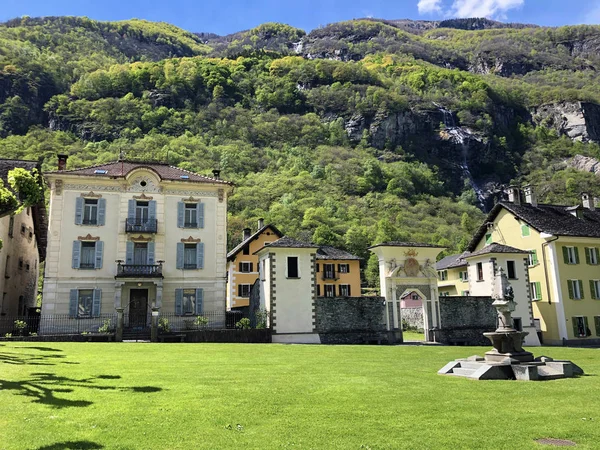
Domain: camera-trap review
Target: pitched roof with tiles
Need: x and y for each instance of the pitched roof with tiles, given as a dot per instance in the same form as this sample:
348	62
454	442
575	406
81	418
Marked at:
238	248
452	261
332	253
119	169
496	248
288	242
551	219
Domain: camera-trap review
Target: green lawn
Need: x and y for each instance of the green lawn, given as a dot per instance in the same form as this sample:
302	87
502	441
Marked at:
214	396
413	336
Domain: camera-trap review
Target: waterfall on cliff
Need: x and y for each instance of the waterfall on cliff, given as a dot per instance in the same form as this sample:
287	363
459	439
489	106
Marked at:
461	136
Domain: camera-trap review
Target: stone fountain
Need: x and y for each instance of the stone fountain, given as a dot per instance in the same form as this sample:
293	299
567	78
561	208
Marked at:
508	360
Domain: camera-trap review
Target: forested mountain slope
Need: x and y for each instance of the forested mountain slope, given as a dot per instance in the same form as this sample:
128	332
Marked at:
353	133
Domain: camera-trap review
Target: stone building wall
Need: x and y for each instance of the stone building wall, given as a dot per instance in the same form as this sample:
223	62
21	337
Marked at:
412	317
464	319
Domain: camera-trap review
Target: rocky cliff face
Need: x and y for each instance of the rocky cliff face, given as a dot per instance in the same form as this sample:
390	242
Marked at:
578	120
585	164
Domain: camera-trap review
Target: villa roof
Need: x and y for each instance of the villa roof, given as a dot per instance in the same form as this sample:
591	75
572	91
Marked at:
332	253
551	219
288	242
452	261
238	248
120	169
496	248
404	244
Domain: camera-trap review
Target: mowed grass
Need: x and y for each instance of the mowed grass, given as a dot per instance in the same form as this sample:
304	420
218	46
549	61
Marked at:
217	396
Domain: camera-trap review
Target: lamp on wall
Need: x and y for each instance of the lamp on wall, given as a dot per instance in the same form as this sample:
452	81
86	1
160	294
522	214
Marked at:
139	284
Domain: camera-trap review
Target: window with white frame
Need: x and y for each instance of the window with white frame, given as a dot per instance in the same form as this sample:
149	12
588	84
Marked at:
88	255
536	290
329	271
575	289
533	259
292	267
479	271
90	211
85	301
443	275
344	268
570	255
580	326
344	290
329	290
191	215
244	290
189	301
245	267
511	270
595	289
591	255
189	256
463	275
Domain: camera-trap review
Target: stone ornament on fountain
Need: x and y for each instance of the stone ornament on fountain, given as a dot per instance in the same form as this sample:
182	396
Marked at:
508	360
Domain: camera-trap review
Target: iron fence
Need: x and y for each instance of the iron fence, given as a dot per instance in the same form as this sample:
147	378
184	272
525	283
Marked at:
56	324
170	322
139	270
141	225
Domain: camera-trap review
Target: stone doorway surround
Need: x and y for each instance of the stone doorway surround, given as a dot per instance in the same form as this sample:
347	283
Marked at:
409	266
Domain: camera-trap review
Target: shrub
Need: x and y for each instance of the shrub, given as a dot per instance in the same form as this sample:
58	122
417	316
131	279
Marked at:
106	327
201	321
20	326
243	324
261	319
163	324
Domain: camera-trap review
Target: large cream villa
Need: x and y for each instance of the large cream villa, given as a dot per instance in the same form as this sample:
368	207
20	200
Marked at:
135	235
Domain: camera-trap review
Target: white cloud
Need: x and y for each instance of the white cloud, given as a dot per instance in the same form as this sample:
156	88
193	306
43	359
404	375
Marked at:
483	8
429	6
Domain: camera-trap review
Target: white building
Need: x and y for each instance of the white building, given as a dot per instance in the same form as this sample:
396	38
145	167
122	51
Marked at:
134	235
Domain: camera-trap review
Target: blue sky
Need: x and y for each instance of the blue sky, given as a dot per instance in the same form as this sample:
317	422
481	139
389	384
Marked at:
225	17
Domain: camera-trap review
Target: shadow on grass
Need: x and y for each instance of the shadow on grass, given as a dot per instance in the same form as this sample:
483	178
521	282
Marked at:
43	387
72	445
43	349
28	359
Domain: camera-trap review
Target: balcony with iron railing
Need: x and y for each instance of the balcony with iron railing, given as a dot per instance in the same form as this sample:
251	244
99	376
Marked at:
133	225
139	270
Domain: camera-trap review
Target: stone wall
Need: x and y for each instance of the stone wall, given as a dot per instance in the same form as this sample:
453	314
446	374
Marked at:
412	317
351	320
464	319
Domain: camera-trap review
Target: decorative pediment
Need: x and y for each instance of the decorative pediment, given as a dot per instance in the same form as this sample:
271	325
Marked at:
190	199
91	194
89	237
141	238
191	240
142	197
412	253
59	187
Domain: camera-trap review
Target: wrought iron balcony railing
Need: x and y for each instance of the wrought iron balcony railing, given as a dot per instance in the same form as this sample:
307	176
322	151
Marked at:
141	226
138	270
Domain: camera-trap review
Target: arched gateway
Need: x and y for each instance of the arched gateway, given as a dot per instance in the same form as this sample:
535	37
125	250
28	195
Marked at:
407	266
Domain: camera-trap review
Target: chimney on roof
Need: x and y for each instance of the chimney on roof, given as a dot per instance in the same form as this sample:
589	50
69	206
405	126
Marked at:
216	173
62	161
530	196
588	201
514	195
247	232
261	223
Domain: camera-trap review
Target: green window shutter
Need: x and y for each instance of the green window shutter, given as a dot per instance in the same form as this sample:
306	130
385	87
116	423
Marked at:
525	230
587	328
534	257
581	292
538	287
79	210
75	257
593	292
570	287
460	275
199	301
99	254
101	211
587	255
179	260
73	302
96	302
488	239
180	214
565	254
200	214
597	325
576	255
575	329
179	302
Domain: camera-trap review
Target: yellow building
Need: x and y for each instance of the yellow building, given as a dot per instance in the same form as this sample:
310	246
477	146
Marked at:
242	263
564	263
338	273
453	276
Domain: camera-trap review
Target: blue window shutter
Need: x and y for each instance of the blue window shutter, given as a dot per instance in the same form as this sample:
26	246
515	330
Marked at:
73	302
101	211
179	302
76	254
99	252
131	209
129	253
79	210
200	214
180	214
152	209
179	263
200	255
199	301
97	301
151	253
